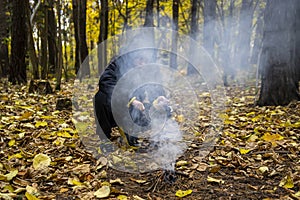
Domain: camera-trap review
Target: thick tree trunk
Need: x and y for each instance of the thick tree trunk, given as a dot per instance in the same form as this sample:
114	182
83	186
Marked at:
149	14
102	56
279	82
4	60
18	43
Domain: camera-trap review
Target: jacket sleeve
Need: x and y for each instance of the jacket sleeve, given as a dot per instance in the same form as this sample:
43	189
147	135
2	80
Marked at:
109	79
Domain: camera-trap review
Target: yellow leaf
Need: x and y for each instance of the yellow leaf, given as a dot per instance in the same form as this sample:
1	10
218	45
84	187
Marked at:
74	181
272	138
11	175
41	123
211	179
252	138
30	196
183	193
287	182
41	161
17	155
25	116
12	142
64	134
180	118
181	163
122	197
297	194
244	151
47	117
103	192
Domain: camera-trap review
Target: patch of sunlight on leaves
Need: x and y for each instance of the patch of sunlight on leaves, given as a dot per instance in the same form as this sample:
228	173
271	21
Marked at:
183	193
103	192
287	182
41	161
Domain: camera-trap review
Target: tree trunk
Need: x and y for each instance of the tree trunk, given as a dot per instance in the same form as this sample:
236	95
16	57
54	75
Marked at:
279	82
82	34
245	31
59	60
51	36
75	4
44	45
31	47
102	57
173	56
149	14
209	25
193	32
18	43
297	61
4	60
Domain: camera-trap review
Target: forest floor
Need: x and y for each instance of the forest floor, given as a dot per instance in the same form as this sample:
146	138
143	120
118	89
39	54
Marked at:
42	157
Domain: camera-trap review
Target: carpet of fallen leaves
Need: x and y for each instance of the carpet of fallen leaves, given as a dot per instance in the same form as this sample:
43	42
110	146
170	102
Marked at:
42	157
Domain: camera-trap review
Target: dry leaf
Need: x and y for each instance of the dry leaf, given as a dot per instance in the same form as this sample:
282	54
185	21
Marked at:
41	161
103	192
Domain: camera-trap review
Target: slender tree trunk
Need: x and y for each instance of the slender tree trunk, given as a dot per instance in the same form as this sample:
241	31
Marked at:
18	43
245	31
258	38
59	63
149	14
75	4
209	25
279	82
157	13
173	57
31	45
44	44
65	42
82	33
193	32
52	36
102	56
4	60
297	60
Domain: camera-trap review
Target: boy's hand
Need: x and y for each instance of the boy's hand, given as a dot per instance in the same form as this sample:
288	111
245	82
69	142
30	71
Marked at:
138	105
160	102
